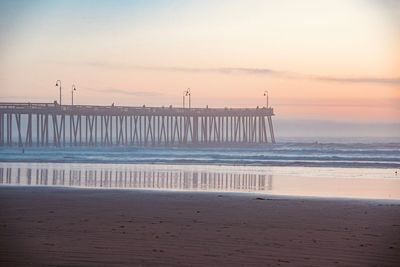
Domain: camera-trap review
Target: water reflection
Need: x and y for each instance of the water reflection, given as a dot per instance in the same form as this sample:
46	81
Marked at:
299	181
136	176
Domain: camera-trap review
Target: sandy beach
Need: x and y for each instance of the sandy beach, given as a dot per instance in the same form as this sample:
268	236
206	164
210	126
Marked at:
89	227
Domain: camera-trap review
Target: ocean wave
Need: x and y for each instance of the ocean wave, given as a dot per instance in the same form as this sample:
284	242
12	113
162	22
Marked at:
287	154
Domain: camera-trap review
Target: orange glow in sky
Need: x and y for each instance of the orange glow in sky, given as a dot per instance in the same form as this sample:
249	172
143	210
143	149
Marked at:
317	59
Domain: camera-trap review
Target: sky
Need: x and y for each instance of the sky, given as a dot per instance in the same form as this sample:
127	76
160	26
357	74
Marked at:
332	65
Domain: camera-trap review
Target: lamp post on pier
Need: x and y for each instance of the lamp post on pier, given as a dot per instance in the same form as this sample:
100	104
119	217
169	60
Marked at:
72	92
189	94
185	94
266	95
183	99
58	83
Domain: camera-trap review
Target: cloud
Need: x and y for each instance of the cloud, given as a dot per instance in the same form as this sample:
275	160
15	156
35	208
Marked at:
367	80
222	70
339	102
110	65
125	92
250	71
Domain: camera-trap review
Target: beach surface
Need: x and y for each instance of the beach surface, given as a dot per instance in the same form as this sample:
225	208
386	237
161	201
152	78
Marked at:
57	226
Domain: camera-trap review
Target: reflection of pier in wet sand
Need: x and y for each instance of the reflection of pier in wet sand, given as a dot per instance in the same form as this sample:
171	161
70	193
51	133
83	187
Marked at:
138	177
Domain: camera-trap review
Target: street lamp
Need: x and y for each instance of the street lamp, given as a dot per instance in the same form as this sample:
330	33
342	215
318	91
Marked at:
72	92
189	94
185	94
266	94
58	83
183	98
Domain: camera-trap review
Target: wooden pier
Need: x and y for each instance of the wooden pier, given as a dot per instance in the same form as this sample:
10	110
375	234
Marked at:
50	124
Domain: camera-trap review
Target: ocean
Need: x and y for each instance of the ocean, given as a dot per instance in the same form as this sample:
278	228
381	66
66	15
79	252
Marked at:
359	155
316	169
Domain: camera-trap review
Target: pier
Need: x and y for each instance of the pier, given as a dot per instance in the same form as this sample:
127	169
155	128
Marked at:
51	124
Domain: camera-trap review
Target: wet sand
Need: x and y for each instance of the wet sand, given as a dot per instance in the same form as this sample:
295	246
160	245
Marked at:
88	227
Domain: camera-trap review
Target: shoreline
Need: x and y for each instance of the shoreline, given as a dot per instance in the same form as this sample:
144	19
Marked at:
264	196
287	181
349	165
64	226
183	164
